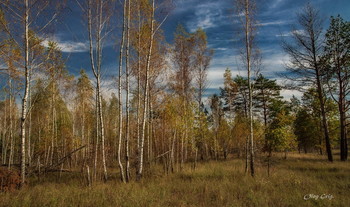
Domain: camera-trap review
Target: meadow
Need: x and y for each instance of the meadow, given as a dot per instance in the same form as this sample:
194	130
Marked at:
300	180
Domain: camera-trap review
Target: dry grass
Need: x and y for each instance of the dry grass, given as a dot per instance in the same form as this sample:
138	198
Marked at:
212	184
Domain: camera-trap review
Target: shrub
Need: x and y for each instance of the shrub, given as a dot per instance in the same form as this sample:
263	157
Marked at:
9	180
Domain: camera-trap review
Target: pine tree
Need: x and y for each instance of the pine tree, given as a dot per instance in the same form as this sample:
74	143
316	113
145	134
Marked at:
337	69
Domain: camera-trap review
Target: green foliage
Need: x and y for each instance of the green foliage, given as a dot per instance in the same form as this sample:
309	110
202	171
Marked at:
266	96
229	92
312	105
337	46
241	100
235	93
294	105
337	69
280	135
307	129
308	121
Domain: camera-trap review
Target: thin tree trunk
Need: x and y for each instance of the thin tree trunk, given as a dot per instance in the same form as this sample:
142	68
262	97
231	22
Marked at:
323	113
149	127
182	151
30	123
96	69
248	54
144	116
265	119
120	129
320	138
98	79
343	144
139	80
172	158
97	138
127	133
101	122
84	152
91	50
216	145
321	97
4	141
342	118
11	127
25	97
52	121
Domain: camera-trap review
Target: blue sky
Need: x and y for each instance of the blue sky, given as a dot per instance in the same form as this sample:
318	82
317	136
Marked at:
275	17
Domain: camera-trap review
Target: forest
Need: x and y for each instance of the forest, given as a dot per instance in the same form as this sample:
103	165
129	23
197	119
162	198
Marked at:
152	134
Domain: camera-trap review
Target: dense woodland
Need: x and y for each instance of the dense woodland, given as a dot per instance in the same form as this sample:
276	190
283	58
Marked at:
160	117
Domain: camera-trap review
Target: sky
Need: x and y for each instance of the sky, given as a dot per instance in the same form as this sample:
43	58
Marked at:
217	18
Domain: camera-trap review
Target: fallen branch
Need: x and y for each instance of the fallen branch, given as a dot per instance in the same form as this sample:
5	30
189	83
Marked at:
161	155
59	170
52	168
62	160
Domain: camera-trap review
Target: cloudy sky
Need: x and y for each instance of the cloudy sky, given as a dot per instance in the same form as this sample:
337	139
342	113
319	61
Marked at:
216	17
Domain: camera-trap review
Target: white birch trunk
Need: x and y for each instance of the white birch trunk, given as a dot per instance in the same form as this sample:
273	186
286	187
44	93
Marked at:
120	132
98	79
97	73
26	90
11	127
144	116
248	55
127	133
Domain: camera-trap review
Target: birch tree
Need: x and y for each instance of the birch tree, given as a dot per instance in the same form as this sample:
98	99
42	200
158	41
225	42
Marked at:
247	11
98	18
127	73
145	95
25	15
120	128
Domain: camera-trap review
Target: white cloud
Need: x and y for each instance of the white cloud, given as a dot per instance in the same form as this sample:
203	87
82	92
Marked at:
225	61
182	5
221	49
276	3
300	32
241	14
271	23
275	62
208	15
284	34
288	94
216	76
68	46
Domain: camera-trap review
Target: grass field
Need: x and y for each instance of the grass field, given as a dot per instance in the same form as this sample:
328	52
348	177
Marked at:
301	180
